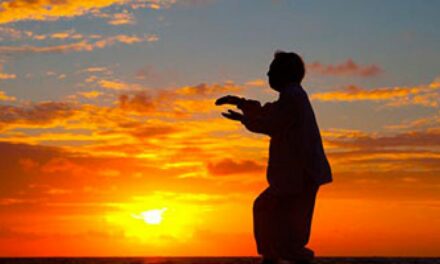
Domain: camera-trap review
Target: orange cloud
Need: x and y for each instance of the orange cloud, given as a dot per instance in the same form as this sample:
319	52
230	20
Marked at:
229	166
14	34
5	76
354	93
192	106
140	102
86	94
425	138
177	102
60	165
83	45
38	114
28	164
149	131
17	10
423	122
153	4
5	97
11	33
346	68
60	35
114	85
408	153
426	95
90	94
78	46
33	169
256	83
207	90
126	39
95	69
122	19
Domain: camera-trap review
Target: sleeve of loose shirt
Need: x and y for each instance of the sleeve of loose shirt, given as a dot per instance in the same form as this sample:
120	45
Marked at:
272	117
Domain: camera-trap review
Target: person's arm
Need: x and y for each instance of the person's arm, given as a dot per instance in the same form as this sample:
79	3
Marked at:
267	119
252	111
255	116
270	118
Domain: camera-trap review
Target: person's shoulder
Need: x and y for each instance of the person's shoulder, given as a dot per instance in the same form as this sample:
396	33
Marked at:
295	93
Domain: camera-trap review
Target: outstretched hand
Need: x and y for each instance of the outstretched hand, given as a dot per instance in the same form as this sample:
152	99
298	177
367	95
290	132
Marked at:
232	100
228	99
231	114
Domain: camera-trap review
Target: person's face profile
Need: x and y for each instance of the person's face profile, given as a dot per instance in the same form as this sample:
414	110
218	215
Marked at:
274	77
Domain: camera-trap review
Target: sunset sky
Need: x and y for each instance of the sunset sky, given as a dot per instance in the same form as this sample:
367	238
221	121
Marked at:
111	145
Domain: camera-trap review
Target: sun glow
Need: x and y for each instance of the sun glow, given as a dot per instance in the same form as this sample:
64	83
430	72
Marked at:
152	217
160	219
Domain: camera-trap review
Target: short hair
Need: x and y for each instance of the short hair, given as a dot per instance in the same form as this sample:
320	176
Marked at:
289	65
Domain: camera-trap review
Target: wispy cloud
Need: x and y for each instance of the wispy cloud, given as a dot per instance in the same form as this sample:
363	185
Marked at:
90	94
418	138
425	95
10	33
256	83
355	93
17	10
140	102
95	69
5	76
35	114
347	68
419	123
413	153
70	34
82	45
5	97
122	19
231	167
117	85
208	90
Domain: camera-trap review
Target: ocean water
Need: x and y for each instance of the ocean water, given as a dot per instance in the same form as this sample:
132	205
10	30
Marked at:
210	260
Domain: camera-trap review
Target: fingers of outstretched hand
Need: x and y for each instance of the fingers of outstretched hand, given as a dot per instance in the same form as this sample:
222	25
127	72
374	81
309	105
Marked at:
228	99
233	115
232	112
223	100
229	116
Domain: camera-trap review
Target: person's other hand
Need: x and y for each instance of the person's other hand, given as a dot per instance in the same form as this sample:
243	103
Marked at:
236	116
228	99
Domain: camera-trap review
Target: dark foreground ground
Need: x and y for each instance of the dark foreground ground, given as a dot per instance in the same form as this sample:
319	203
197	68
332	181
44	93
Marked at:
225	260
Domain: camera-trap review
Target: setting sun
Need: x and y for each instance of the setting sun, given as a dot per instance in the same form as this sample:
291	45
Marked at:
152	217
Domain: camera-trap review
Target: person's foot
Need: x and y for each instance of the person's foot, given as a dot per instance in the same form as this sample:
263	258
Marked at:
298	261
303	261
268	261
301	256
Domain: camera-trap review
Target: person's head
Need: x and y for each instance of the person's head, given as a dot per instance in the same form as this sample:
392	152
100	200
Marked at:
286	68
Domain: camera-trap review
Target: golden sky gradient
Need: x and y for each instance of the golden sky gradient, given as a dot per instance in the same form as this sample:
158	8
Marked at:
111	144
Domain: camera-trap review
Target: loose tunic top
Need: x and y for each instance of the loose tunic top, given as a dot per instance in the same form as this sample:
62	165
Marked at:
296	152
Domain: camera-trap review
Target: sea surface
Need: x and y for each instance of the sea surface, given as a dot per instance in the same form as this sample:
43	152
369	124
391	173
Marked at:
211	260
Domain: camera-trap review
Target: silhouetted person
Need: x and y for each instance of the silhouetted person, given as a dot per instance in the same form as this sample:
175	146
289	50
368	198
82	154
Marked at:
297	163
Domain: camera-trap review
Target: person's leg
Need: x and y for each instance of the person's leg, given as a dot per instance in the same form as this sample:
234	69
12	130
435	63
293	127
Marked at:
310	199
282	225
264	231
296	214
